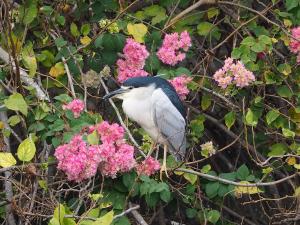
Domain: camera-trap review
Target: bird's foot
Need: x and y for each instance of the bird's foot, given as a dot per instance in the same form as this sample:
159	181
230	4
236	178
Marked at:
163	168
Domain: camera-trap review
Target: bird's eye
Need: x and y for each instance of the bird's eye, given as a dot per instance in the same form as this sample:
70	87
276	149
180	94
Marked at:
130	87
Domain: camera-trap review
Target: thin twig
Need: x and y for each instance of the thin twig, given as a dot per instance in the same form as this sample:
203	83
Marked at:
225	181
137	216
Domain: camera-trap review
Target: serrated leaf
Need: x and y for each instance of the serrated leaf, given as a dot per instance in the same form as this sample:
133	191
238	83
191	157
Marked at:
85	29
240	190
278	149
192	178
229	119
251	119
211	189
285	69
242	172
213	216
138	31
14	120
57	70
272	116
16	102
74	30
28	11
288	133
28	59
7	159
212	12
284	91
104	220
205	102
86	40
26	150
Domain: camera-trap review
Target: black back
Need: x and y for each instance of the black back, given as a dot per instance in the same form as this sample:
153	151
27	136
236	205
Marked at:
159	82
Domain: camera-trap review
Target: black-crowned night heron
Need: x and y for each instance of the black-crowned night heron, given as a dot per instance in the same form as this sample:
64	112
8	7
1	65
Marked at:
153	103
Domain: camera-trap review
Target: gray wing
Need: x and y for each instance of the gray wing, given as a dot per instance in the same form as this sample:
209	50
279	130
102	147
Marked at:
170	123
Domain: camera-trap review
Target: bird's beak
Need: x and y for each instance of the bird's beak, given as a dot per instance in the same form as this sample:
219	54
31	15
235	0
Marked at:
114	93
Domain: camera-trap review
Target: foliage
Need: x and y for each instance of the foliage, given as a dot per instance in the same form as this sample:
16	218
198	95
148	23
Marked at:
235	64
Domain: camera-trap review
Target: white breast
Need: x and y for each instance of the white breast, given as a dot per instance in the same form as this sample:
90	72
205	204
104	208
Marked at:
138	107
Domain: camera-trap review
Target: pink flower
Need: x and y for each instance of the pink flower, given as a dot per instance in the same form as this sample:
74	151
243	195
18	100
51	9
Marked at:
127	70
132	65
109	133
170	53
76	106
295	42
180	85
78	160
148	166
233	73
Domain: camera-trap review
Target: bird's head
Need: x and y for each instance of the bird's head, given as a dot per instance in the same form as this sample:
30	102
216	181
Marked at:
137	87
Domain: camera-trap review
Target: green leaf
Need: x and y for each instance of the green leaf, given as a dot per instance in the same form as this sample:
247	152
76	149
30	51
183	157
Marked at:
29	60
211	189
212	12
272	116
285	69
16	102
74	30
229	119
284	91
265	39
205	102
206	168
290	4
7	159
60	42
14	120
192	178
85	29
242	172
28	11
93	138
157	13
213	216
105	220
288	133
258	47
165	195
249	41
206	28
278	149
191	213
61	20
251	118
26	150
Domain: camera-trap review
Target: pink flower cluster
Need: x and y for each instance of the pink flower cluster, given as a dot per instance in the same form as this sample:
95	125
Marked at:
133	63
116	154
180	85
148	166
76	106
78	160
170	52
233	73
295	44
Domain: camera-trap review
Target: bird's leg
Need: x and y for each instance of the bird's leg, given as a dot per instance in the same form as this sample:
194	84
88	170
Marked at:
164	165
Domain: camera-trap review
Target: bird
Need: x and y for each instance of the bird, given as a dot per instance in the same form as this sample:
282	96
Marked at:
153	103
